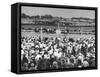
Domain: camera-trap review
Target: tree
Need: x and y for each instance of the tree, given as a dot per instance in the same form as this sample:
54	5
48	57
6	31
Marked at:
23	15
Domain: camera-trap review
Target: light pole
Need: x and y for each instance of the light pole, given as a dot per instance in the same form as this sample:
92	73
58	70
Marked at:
41	33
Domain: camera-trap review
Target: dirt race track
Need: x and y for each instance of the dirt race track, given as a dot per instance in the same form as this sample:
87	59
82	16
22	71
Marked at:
75	36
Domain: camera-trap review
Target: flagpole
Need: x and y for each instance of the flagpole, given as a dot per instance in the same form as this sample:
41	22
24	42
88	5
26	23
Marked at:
41	30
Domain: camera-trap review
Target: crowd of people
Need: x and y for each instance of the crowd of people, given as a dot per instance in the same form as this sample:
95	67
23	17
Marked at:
55	53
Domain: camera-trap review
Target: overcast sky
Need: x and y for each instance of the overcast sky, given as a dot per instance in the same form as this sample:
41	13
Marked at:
66	13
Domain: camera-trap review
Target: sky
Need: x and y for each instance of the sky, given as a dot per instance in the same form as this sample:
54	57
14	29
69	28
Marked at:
66	13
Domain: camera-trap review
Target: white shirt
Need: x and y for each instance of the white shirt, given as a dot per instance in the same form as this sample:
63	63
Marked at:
38	56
